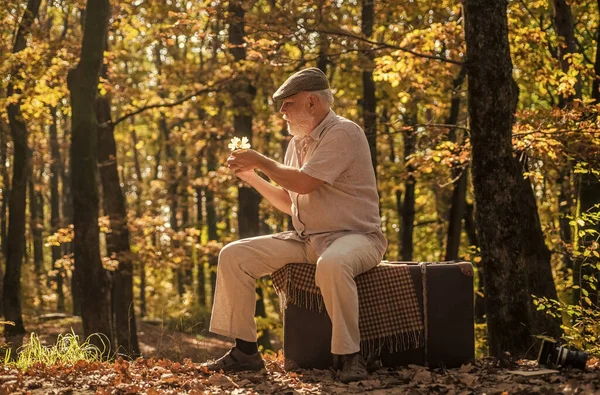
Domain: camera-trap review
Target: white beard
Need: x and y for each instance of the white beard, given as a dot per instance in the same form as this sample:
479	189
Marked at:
300	126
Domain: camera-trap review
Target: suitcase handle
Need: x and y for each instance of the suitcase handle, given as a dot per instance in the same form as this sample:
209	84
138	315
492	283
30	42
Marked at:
466	268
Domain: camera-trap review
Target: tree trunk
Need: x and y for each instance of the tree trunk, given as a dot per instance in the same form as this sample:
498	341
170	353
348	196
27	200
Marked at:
322	60
117	241
4	203
265	339
563	24
565	205
15	239
201	273
211	216
515	259
407	223
474	242
173	197
5	193
242	93
67	212
369	101
83	85
138	171
55	222
138	208
596	83
185	271
398	194
36	225
589	197
461	175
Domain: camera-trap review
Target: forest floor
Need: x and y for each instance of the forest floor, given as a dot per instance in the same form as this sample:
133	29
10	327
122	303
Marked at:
171	366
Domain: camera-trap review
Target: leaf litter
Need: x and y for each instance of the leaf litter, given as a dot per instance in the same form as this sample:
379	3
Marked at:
163	376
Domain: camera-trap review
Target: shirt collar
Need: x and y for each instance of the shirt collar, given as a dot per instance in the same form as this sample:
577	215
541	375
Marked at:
325	123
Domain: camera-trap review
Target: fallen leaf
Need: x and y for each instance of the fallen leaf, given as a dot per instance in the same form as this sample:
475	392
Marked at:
169	378
422	376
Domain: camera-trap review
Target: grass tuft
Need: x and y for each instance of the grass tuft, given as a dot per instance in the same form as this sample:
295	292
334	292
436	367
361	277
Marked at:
67	350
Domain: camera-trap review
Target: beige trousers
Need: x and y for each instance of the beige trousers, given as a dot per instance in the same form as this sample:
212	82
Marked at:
243	261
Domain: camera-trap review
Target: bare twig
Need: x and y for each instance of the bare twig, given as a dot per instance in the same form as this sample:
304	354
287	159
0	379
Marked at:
537	131
214	88
452	181
428	125
384	45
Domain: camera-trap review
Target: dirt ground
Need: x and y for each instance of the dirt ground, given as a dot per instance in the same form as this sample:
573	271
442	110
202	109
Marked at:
171	365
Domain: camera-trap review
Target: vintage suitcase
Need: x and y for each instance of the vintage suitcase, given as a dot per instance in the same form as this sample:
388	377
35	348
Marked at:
445	299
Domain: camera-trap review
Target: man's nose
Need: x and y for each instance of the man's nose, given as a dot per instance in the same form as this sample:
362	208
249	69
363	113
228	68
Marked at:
282	108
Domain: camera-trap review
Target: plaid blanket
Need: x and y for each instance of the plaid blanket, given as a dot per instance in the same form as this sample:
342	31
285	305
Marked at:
389	314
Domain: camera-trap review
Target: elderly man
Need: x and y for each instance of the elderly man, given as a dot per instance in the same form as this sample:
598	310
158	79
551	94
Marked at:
327	184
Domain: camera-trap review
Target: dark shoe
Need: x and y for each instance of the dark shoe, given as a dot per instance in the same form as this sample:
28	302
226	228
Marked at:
354	368
236	361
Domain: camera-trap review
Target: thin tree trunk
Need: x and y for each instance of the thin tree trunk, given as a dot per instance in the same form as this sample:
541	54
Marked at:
565	206
173	197
563	23
5	192
67	214
474	242
211	216
264	339
242	93
408	206
369	101
201	273
398	194
117	241
138	208
185	271
138	171
508	226
83	84
459	194
36	225
15	238
55	221
4	203
589	197
596	83
322	60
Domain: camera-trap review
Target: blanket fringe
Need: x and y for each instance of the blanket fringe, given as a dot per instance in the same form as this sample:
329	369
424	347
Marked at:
394	343
302	298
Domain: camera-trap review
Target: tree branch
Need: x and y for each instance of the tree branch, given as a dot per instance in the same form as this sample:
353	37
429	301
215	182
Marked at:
427	125
214	88
384	45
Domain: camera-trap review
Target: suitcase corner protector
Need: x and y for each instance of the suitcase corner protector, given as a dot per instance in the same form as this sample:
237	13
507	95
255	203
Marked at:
466	268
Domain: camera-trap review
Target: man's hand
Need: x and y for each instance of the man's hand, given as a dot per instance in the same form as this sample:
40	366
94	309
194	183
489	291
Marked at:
243	163
246	159
245	175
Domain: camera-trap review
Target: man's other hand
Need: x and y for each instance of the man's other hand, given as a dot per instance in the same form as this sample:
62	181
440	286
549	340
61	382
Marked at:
243	162
246	159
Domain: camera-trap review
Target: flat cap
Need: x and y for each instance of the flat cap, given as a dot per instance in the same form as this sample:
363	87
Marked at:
311	79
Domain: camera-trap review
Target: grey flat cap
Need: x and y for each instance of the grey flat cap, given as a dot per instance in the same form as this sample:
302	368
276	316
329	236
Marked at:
311	79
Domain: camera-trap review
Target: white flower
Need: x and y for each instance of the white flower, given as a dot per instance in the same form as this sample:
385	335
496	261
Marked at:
236	143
